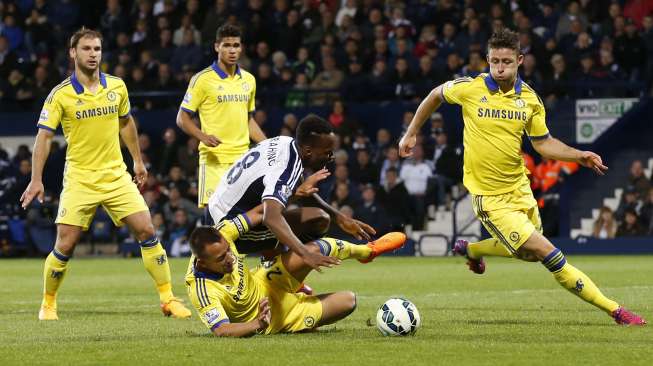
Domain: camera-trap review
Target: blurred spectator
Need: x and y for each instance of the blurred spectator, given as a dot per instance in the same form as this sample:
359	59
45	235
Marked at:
573	13
394	197
342	196
329	78
638	180
187	54
391	161
370	211
448	161
415	173
628	202
177	202
631	225
646	212
605	225
168	151
178	234
364	171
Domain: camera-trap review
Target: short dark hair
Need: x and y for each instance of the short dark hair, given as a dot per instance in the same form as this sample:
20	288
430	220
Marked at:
310	127
82	33
227	30
504	38
202	236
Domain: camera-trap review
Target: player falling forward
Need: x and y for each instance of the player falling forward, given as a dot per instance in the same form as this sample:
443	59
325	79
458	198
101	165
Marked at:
223	95
235	301
497	108
270	173
93	110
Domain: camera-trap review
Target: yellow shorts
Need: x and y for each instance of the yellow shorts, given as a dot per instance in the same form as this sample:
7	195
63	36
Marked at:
84	190
211	170
511	217
291	312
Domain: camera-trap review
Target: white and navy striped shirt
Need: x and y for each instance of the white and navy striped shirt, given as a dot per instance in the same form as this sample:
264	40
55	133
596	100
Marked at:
270	170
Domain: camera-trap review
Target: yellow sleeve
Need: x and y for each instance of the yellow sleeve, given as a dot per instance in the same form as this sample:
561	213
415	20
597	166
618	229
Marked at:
208	304
252	97
232	229
51	114
536	127
194	95
125	107
453	91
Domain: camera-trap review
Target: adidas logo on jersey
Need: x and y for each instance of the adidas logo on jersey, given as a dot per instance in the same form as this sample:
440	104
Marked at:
483	100
79	102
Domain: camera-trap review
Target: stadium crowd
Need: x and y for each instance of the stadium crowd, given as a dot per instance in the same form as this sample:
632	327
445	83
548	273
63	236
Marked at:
306	53
361	50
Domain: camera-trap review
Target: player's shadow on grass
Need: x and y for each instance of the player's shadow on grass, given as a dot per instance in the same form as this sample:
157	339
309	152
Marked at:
316	332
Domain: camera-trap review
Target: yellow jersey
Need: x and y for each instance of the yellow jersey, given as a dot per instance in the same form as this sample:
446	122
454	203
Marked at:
231	297
494	125
90	121
223	103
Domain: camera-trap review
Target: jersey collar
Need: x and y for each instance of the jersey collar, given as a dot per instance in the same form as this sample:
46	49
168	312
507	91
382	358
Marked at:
210	276
221	73
494	86
79	88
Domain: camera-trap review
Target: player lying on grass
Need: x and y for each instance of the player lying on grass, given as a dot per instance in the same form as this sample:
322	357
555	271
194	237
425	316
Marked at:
234	301
498	108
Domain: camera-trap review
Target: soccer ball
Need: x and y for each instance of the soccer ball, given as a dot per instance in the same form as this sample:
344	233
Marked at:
398	317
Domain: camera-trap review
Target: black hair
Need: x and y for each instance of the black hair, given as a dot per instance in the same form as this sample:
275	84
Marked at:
202	236
310	127
227	30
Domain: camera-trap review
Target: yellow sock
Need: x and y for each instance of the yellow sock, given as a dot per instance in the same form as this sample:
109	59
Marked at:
488	247
54	272
577	282
155	261
342	249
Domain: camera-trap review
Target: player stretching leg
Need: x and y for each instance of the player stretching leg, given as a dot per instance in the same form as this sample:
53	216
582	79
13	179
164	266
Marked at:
233	301
497	108
93	110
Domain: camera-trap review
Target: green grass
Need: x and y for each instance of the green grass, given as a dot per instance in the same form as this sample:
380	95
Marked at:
515	314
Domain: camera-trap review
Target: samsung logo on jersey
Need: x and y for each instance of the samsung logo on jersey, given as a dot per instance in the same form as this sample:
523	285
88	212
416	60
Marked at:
96	112
233	98
501	114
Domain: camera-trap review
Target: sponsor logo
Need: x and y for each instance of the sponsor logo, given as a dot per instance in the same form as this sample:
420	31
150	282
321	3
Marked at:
79	102
483	99
212	315
245	87
111	96
187	97
520	103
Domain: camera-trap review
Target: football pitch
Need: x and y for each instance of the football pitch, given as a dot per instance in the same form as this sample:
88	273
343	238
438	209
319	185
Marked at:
514	314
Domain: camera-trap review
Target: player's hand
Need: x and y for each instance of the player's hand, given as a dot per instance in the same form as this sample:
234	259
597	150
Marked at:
406	145
355	228
140	174
593	161
264	314
210	140
317	260
34	189
308	187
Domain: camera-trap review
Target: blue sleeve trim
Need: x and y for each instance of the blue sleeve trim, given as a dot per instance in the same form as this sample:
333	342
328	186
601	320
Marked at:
218	324
249	223
442	94
126	115
193	113
46	127
543	137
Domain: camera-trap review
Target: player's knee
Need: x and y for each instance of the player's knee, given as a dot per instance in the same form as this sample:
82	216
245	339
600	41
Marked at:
66	240
145	232
320	221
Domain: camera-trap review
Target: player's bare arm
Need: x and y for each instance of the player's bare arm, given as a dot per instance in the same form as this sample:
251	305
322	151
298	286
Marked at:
249	328
256	134
425	109
555	149
187	123
39	156
273	218
129	135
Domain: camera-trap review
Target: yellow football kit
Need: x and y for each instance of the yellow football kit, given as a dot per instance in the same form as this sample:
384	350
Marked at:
95	173
234	297
223	103
494	170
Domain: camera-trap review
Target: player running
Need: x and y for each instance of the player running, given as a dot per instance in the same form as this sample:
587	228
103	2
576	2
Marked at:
93	110
234	301
497	108
223	95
